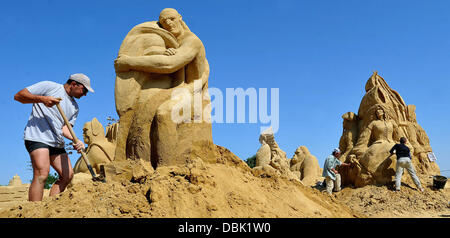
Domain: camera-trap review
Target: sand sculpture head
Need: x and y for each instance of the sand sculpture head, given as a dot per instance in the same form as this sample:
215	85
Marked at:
171	20
349	118
298	157
299	151
378	112
300	154
93	130
304	150
267	137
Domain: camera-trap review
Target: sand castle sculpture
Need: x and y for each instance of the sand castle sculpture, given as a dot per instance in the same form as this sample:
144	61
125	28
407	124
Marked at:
383	117
271	160
162	73
15	191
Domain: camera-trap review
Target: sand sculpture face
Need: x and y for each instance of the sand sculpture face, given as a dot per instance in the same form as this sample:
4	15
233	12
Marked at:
170	20
300	154
86	135
380	114
92	130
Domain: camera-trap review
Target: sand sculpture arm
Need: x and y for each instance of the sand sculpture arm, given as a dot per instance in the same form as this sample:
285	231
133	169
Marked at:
163	64
397	131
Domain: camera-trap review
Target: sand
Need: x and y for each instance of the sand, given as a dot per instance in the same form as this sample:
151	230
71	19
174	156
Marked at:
228	189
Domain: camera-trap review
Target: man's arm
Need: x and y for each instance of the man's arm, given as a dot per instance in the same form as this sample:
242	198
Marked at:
163	64
78	145
66	132
24	96
392	149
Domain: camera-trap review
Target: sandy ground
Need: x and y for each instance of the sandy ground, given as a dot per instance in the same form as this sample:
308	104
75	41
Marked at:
225	189
385	202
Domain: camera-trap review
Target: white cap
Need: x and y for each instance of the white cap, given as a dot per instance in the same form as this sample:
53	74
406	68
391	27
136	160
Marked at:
337	150
83	79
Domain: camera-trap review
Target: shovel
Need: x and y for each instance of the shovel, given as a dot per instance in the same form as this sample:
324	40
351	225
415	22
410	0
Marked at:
101	176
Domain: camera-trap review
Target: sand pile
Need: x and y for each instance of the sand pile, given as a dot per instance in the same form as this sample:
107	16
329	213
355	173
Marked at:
226	188
384	201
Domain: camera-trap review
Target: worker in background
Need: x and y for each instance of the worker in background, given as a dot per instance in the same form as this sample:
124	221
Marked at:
332	176
404	162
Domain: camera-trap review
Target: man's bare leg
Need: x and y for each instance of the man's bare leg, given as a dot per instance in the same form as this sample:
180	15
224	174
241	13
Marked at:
61	164
40	160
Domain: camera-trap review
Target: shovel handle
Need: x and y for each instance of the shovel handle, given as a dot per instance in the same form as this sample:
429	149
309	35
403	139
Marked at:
83	154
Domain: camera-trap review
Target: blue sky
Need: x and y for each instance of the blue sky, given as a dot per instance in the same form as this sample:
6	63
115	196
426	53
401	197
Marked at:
319	54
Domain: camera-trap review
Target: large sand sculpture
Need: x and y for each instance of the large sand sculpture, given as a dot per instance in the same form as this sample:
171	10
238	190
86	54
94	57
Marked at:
162	71
383	117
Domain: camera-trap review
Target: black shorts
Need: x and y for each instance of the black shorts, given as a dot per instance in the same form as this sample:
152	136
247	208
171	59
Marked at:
32	145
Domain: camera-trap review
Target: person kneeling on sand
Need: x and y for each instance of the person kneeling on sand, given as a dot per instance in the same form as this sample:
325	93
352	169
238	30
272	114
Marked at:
404	162
332	176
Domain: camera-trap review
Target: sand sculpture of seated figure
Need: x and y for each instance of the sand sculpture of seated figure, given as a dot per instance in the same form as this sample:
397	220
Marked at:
270	159
383	117
373	145
305	166
99	151
349	134
164	75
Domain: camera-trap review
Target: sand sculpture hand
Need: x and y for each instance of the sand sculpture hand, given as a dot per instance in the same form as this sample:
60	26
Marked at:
121	63
170	52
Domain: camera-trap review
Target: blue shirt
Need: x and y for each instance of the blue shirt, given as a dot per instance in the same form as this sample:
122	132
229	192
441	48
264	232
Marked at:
45	123
330	163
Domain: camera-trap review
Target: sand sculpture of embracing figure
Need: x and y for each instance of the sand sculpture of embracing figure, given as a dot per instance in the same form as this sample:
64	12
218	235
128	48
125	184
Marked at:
159	65
161	95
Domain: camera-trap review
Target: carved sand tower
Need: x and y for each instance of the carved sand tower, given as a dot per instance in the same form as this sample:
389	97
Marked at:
383	117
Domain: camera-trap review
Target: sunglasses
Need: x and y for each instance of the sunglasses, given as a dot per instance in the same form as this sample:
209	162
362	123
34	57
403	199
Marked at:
85	90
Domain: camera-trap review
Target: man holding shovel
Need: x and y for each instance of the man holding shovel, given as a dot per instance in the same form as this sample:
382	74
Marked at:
332	176
45	130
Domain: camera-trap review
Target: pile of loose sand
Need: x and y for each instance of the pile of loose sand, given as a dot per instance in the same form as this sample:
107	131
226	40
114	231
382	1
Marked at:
223	189
227	188
384	201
